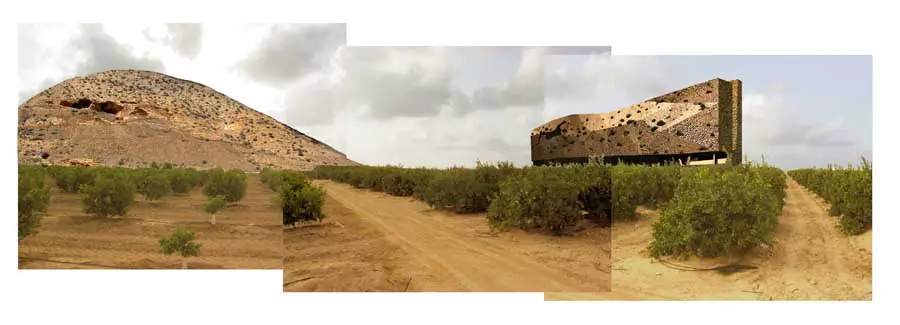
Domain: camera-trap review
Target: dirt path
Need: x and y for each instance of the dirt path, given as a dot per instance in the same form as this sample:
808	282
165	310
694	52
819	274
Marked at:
438	251
811	261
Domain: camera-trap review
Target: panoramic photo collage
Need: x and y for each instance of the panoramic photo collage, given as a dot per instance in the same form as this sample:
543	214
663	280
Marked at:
570	171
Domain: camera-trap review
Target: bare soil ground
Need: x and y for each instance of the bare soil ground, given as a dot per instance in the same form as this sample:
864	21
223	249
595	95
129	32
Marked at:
810	261
247	235
371	241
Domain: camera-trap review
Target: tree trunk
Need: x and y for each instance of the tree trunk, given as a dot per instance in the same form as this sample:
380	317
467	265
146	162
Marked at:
184	263
212	219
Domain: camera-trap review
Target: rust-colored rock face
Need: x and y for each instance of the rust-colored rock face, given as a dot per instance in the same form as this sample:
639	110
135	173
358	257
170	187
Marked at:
134	118
701	121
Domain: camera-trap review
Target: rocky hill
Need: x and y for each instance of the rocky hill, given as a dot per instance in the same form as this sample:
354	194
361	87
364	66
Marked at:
135	118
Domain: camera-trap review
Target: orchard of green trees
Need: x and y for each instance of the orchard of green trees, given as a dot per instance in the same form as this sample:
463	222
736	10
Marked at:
110	191
705	211
847	189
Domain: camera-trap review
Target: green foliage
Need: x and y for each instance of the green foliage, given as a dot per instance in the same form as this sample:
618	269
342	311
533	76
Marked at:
156	186
716	211
181	242
403	182
392	180
300	200
575	191
70	179
198	178
634	185
180	180
551	198
848	190
271	178
232	184
455	189
369	177
215	204
594	183
111	194
34	198
538	198
465	190
140	177
629	184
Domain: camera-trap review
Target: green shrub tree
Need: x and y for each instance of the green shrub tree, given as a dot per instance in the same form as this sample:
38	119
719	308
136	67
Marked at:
180	180
716	212
300	200
156	186
34	198
231	184
110	195
847	190
181	242
213	205
537	198
70	179
271	177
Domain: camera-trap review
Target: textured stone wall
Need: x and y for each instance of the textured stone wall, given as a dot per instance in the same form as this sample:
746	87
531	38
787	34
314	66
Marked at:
703	118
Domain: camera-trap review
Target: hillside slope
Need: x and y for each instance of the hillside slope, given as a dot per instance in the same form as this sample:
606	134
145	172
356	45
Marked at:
134	118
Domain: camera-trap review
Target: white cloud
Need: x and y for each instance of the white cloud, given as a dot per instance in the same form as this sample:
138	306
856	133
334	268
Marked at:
433	106
291	51
429	106
186	39
99	51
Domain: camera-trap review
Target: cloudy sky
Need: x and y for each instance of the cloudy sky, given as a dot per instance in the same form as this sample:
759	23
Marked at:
798	110
416	106
442	106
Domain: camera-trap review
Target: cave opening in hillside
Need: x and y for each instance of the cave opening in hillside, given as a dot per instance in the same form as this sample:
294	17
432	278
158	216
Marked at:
141	112
110	107
79	104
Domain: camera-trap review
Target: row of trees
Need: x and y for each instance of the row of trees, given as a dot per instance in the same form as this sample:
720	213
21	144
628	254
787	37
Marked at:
847	189
109	192
551	198
34	198
705	211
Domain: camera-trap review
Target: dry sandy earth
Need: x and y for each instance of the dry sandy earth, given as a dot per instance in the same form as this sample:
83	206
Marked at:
247	235
371	241
811	261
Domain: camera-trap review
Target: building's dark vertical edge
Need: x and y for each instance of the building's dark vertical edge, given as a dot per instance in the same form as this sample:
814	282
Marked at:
723	90
737	121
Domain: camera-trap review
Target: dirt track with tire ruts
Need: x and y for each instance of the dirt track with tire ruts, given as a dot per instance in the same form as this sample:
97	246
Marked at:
371	241
810	261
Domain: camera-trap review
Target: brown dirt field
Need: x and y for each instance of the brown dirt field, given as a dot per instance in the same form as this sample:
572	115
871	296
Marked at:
810	261
247	235
371	241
